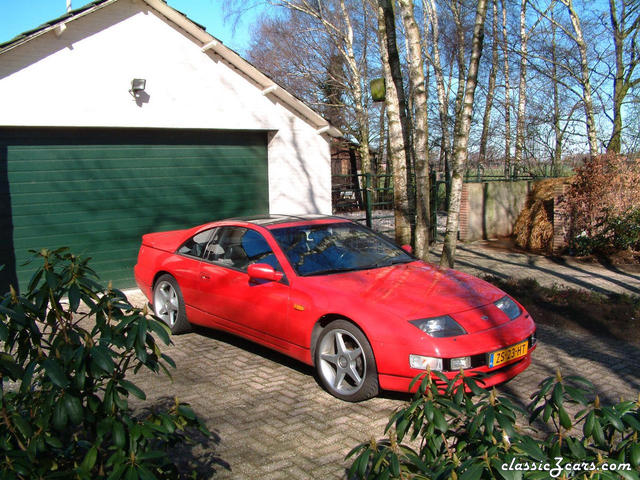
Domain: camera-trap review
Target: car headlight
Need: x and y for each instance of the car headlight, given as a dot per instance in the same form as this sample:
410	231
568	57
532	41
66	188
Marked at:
443	326
509	307
420	362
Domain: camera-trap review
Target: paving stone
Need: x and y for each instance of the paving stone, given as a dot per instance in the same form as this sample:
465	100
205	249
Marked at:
274	420
299	431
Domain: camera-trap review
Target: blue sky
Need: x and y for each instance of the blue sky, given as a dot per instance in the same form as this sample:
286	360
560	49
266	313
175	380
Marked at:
17	16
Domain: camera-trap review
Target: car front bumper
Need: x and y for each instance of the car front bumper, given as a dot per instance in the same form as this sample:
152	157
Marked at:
488	377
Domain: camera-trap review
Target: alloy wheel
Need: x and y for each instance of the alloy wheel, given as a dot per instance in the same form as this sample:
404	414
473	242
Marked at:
342	362
166	303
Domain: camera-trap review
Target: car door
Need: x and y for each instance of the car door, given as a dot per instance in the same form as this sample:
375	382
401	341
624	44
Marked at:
185	266
256	309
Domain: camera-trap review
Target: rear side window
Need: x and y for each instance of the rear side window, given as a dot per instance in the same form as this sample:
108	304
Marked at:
239	247
196	245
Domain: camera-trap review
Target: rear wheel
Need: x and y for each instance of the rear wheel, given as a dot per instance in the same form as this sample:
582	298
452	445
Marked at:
168	304
345	363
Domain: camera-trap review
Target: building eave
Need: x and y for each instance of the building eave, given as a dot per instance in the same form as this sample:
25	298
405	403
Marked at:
209	44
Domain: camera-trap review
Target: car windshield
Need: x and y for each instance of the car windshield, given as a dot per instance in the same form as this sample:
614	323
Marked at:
336	247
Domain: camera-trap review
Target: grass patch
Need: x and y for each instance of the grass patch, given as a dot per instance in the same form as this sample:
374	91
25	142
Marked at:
614	315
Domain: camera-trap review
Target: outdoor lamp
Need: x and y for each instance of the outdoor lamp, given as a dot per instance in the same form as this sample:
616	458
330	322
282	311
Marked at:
137	85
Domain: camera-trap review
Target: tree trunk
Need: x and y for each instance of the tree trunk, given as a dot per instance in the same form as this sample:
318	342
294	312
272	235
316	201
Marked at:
461	140
584	78
362	117
486	119
460	60
382	141
615	142
443	103
622	81
522	86
421	130
507	92
397	145
557	152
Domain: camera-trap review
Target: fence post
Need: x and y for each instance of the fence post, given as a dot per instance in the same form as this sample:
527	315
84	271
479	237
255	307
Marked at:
367	198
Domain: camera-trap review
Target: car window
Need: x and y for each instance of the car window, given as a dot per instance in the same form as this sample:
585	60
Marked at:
239	247
196	245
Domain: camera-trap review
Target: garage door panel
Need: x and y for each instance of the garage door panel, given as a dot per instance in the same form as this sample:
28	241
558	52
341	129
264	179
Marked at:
214	158
113	198
99	197
191	170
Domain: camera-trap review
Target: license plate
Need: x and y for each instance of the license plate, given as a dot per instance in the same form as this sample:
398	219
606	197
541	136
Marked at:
507	354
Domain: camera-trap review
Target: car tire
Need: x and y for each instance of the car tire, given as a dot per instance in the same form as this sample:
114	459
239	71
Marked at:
168	304
345	363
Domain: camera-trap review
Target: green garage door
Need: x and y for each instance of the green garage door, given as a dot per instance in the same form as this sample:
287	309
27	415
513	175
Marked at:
98	190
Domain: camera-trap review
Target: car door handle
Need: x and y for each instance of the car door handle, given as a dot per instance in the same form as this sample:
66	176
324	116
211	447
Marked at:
204	276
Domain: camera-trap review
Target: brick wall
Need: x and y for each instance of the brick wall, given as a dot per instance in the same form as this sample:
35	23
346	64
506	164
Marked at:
561	219
463	226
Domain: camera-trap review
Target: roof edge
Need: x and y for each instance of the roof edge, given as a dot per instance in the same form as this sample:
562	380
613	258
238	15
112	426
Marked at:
233	58
197	31
53	24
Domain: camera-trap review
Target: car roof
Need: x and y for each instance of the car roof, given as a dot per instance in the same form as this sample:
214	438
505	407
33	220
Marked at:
268	221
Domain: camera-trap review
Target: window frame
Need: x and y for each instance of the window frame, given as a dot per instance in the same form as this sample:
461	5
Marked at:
247	229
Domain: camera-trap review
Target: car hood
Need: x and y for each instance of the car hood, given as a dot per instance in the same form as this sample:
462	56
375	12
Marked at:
420	290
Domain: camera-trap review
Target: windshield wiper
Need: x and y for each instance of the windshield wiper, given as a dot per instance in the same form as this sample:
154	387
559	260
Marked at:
333	270
388	261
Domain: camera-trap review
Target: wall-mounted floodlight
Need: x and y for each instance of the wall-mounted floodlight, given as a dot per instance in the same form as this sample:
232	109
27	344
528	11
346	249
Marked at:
137	86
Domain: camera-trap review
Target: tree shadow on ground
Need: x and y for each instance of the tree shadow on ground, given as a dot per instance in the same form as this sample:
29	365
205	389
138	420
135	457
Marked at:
564	278
196	458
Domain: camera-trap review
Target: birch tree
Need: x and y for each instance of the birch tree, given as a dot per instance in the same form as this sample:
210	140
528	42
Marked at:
585	76
488	105
461	138
625	25
431	19
333	20
522	85
397	127
507	91
525	35
421	132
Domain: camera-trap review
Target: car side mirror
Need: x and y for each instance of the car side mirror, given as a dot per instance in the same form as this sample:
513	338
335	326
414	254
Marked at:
262	271
407	248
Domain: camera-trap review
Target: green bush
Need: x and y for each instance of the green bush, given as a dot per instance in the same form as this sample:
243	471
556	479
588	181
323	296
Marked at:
479	434
614	233
68	344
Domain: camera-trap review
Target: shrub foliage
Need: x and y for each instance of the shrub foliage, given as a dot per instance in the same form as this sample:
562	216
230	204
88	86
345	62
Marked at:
68	344
466	433
603	202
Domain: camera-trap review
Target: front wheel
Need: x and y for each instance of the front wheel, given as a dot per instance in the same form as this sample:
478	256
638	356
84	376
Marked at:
345	363
168	304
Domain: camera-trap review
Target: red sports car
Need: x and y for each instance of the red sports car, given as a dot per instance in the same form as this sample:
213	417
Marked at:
334	294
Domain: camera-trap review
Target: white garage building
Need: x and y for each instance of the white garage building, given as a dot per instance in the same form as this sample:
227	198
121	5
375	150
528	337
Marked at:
125	117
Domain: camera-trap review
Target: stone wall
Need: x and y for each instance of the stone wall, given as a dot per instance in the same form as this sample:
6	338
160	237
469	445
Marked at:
490	209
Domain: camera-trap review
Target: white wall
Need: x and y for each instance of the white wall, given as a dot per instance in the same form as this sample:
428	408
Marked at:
82	78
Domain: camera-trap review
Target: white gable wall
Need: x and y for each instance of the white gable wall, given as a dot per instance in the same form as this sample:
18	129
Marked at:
82	78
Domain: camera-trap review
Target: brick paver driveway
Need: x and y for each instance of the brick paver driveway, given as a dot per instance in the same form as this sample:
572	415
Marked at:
273	420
